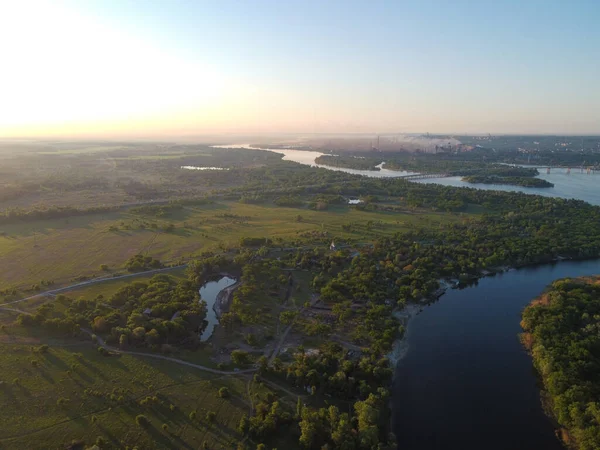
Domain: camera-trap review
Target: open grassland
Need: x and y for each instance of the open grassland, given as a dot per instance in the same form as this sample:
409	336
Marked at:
73	393
63	249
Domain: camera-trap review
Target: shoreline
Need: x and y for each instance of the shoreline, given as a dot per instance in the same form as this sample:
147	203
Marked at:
224	297
400	346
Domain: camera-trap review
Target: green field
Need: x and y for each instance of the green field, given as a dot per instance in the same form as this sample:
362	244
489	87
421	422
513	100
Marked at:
61	250
73	393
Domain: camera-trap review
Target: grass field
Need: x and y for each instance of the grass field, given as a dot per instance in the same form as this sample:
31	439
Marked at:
60	250
75	394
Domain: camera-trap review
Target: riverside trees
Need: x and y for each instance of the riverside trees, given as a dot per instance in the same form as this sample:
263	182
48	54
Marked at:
562	331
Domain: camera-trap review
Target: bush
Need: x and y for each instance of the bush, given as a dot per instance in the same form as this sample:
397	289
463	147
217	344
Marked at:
141	420
224	392
43	348
165	427
100	441
192	415
211	416
104	267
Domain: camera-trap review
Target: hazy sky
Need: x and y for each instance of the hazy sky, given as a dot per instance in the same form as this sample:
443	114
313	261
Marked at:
190	67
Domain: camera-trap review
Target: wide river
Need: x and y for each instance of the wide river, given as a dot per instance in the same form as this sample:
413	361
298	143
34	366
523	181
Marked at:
465	382
574	185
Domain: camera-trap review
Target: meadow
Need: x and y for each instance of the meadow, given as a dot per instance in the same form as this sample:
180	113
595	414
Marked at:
68	395
65	250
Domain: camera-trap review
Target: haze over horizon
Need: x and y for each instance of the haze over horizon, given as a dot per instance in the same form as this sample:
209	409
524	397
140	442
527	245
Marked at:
161	69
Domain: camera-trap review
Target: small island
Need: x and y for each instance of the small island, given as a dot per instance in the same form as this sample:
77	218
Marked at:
562	333
513	181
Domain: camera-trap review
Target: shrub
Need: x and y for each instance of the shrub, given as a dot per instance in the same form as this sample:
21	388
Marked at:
211	416
192	415
224	392
165	427
141	420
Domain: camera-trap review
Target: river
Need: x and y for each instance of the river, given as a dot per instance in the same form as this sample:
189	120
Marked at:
574	185
465	382
566	185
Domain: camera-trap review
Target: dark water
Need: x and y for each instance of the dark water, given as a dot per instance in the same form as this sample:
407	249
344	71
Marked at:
466	383
209	293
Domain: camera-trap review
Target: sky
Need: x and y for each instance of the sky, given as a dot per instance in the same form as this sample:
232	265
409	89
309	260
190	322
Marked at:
182	68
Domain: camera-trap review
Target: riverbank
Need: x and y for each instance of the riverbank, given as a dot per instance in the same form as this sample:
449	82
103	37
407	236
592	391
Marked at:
567	312
400	346
224	297
465	360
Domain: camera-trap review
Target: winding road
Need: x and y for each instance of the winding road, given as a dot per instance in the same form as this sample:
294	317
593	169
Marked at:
103	344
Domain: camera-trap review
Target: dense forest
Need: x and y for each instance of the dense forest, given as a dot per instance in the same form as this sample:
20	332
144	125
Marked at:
160	315
562	331
514	181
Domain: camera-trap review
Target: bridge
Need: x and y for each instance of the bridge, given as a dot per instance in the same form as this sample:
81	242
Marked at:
589	169
420	176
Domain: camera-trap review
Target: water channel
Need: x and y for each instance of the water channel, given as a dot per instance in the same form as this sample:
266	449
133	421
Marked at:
209	293
566	185
465	382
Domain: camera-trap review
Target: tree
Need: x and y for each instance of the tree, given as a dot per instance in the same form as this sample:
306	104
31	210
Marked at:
299	407
211	416
224	392
240	357
244	424
141	420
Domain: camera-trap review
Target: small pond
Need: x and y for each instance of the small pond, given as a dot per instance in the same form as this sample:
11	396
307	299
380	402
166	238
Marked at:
209	293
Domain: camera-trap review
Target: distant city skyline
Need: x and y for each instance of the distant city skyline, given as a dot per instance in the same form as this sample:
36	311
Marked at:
127	68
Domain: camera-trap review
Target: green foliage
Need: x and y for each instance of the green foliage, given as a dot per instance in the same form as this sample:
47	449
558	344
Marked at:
240	357
514	181
141	420
141	314
289	201
563	334
224	392
139	263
